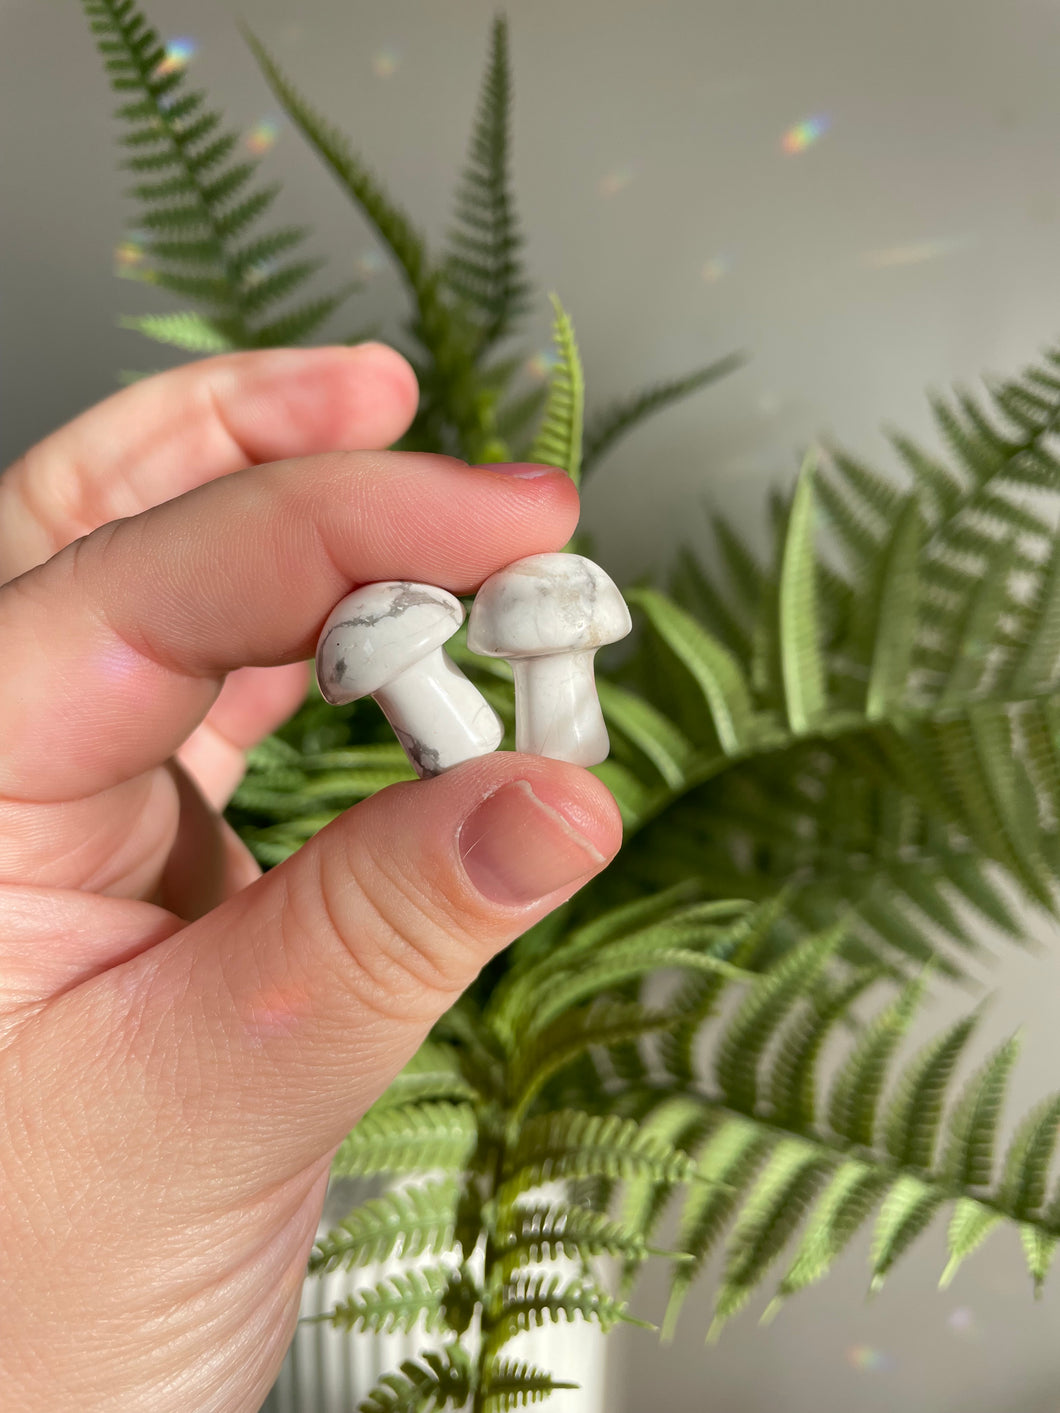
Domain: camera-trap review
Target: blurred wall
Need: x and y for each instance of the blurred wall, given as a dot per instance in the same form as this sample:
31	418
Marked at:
912	244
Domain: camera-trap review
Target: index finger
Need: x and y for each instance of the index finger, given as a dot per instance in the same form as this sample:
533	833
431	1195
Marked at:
166	434
115	648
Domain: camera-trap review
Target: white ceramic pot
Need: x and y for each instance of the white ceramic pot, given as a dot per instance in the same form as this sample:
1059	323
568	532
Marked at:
330	1371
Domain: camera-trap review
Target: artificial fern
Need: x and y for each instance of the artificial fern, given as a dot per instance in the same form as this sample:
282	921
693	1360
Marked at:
829	759
198	206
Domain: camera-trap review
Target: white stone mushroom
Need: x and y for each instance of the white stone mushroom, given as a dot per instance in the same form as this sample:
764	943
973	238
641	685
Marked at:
548	614
385	641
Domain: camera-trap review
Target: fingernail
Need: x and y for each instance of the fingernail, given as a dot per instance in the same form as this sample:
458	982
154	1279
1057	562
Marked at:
526	470
516	849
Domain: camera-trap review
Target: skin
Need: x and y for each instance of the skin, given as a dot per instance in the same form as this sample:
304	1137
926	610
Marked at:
183	1042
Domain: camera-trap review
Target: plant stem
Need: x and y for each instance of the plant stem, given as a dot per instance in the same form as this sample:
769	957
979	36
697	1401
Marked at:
489	1271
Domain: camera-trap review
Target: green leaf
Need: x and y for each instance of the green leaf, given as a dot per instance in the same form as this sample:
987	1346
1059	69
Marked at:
189	196
188	330
857	1088
618	419
1037	662
973	1125
913	1119
559	438
413	1138
907	1209
715	670
437	326
762	1011
649	730
801	655
727	1163
534	1299
793	1074
970	1225
842	1209
769	1217
407	1221
396	1303
569	1144
1039	1250
538	1232
431	1381
978	629
896	616
483	266
515	1384
1028	1158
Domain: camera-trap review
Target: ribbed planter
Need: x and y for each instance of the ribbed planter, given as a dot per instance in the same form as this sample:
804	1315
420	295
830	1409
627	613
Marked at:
330	1371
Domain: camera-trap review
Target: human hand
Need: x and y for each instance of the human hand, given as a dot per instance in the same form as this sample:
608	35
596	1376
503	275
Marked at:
183	1042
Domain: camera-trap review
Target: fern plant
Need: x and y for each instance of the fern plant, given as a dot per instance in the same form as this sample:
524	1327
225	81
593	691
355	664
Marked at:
832	760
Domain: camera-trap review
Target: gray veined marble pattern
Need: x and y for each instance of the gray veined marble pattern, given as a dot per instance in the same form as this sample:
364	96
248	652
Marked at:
548	615
386	641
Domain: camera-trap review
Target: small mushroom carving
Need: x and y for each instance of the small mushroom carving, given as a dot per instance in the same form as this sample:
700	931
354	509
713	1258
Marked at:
548	615
385	641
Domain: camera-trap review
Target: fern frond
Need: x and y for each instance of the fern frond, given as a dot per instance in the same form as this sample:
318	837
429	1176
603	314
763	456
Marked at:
769	1000
448	383
516	1384
396	1303
569	1144
483	266
559	438
406	1223
533	1299
408	1139
537	1233
802	658
714	669
193	332
431	1381
196	202
772	1211
616	421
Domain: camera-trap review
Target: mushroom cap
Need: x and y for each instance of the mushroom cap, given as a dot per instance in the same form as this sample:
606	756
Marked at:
379	631
547	603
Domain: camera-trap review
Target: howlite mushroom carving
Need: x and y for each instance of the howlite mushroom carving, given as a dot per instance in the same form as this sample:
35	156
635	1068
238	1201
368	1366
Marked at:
385	641
548	615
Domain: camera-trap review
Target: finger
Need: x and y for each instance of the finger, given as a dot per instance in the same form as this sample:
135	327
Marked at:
254	701
166	434
250	1042
52	939
208	861
143	618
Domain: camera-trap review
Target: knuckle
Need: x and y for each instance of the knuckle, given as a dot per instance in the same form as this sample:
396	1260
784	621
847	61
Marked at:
402	950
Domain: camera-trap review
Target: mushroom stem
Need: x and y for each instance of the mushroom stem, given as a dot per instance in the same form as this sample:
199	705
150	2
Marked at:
557	711
438	715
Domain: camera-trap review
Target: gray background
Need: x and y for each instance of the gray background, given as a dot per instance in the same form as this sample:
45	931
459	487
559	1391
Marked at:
915	244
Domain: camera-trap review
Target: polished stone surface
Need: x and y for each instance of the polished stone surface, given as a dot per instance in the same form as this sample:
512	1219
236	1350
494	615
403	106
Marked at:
548	615
385	641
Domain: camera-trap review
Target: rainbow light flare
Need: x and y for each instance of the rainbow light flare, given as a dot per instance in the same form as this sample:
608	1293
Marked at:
178	54
261	136
867	1359
614	182
541	364
716	268
385	61
369	262
914	253
805	134
131	251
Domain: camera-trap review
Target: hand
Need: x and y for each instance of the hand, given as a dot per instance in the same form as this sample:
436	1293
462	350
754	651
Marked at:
183	1042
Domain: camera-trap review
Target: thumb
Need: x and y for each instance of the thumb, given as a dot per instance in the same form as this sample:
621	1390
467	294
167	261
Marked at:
278	1018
